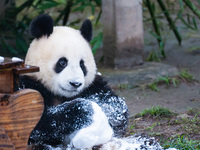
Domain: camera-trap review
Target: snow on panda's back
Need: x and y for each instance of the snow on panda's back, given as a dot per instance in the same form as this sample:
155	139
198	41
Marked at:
65	59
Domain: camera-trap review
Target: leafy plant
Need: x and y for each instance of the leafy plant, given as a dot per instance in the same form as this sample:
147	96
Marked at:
97	42
163	80
153	86
127	86
14	36
182	143
190	22
151	127
156	111
193	111
154	56
186	76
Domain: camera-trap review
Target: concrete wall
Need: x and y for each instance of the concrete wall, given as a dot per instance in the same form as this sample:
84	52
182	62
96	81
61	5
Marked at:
123	33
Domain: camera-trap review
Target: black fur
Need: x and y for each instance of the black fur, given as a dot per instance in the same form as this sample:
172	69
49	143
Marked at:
53	127
41	26
86	30
82	65
98	91
61	64
99	85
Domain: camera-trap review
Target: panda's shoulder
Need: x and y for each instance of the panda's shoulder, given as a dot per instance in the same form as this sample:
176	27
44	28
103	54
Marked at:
30	82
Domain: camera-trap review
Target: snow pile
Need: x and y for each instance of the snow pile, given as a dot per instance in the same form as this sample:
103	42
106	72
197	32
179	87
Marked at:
16	59
128	143
133	143
1	59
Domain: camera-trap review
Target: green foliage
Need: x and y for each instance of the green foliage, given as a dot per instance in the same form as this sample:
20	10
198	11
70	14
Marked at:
151	8
154	56
193	111
14	37
156	111
186	76
153	86
126	86
151	127
156	15
97	42
182	143
163	80
14	32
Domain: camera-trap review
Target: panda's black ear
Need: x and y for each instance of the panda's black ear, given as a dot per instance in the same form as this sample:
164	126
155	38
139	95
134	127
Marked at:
86	30
42	25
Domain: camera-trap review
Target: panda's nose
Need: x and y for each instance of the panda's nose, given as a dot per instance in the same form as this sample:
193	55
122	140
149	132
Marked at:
75	84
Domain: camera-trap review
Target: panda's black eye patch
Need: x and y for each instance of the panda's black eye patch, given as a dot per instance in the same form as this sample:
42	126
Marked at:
82	65
61	64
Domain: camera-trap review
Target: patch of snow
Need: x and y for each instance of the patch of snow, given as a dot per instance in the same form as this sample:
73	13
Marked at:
133	143
16	59
1	59
128	143
99	73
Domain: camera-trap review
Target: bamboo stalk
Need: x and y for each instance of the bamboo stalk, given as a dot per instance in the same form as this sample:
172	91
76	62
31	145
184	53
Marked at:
153	18
171	23
155	26
192	7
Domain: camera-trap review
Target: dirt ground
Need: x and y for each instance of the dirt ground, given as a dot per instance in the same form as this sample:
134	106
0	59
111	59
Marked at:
178	99
185	125
181	98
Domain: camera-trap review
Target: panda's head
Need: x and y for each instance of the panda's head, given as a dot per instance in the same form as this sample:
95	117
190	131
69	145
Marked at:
64	56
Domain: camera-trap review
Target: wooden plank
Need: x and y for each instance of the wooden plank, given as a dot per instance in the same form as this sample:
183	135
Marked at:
5	141
21	115
8	63
6	81
25	69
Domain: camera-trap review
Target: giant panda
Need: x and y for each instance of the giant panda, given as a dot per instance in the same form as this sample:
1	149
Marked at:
80	109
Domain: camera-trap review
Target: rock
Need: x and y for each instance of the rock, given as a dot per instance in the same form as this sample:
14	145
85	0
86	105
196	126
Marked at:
142	74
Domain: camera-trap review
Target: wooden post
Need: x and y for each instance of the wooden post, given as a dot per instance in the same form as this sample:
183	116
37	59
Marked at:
20	110
122	33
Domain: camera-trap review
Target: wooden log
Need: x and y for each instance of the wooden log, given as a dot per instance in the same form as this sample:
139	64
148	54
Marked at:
20	113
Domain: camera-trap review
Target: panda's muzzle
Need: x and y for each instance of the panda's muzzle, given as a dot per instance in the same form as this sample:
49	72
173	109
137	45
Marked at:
75	84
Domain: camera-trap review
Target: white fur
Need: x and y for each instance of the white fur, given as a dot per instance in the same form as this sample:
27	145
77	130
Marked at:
99	132
46	51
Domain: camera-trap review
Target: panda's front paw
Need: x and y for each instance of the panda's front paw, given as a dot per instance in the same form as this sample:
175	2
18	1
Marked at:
97	133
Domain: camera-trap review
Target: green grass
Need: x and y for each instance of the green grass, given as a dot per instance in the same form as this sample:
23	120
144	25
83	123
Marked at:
163	80
188	124
184	75
153	86
193	111
156	111
182	143
127	86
